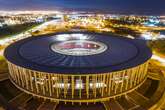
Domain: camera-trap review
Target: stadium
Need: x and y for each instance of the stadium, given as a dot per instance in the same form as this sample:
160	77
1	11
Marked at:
78	67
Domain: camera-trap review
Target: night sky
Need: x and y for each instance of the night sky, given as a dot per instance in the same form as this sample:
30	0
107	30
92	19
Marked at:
154	7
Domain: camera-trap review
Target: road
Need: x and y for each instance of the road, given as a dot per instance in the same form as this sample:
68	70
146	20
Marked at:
159	59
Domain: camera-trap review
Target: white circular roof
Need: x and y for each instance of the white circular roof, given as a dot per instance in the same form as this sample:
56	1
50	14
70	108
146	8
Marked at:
79	47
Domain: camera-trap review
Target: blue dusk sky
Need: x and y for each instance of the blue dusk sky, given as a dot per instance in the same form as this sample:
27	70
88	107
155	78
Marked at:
154	7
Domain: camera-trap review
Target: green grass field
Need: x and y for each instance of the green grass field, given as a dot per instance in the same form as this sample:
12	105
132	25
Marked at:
9	32
3	65
158	46
16	29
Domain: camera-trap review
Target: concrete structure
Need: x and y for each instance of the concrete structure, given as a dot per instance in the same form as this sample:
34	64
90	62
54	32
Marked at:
78	67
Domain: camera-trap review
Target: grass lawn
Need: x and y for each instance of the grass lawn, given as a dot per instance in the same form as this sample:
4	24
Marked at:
3	65
158	46
16	29
9	32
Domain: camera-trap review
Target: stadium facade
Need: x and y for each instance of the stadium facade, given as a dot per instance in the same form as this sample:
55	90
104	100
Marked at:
78	67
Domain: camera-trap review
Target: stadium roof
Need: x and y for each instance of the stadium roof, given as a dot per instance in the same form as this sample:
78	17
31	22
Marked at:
35	53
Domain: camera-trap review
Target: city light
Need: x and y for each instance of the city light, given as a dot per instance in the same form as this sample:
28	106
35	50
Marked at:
78	76
160	59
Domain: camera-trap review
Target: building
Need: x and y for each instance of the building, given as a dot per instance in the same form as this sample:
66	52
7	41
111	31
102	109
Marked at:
78	67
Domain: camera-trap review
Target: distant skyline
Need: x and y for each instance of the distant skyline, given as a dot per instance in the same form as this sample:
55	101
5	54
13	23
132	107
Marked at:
152	7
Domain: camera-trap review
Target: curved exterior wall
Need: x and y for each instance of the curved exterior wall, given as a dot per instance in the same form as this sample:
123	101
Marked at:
37	69
78	87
